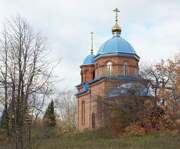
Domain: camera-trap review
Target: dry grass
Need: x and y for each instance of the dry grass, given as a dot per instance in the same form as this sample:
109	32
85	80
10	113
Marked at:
99	139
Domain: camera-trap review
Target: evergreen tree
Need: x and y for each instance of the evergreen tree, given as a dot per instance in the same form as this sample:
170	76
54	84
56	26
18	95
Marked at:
49	116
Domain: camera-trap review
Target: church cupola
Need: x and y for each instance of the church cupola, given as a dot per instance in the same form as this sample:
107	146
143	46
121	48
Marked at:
116	56
87	68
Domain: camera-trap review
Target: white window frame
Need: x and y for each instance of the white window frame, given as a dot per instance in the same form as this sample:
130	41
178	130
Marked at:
109	67
125	68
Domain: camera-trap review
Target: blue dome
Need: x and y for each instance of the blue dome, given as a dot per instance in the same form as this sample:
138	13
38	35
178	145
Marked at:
116	45
89	60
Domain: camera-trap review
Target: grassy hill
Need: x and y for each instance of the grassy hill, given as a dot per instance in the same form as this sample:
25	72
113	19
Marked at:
144	142
99	140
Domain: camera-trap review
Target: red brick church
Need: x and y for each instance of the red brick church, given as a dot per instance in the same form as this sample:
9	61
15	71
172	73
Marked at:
116	61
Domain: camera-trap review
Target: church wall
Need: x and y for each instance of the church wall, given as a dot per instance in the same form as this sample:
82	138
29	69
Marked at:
117	66
98	91
82	124
87	73
90	98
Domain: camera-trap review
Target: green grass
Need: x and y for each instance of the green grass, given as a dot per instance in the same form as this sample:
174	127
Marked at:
101	140
82	142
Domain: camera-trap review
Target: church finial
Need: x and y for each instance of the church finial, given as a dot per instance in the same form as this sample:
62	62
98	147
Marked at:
92	48
116	11
116	30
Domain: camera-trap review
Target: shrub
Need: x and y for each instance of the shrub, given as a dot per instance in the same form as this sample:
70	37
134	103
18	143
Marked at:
134	129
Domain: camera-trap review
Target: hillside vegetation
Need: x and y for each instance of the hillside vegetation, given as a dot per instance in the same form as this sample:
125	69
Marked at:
99	139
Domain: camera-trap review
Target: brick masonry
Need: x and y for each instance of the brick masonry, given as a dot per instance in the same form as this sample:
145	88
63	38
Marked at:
87	103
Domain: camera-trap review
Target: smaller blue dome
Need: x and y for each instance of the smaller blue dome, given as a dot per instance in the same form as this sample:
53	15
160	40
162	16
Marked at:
89	60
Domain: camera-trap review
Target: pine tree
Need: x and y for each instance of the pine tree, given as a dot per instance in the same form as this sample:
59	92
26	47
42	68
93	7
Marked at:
49	116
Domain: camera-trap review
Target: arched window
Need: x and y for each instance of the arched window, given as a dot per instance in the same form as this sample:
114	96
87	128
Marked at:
125	68
85	75
93	120
96	69
96	65
83	113
93	73
109	67
136	71
82	76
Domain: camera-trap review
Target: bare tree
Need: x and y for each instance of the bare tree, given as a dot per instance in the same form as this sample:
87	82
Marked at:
25	77
160	76
4	42
66	109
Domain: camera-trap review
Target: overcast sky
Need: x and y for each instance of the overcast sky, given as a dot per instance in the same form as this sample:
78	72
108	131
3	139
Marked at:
151	26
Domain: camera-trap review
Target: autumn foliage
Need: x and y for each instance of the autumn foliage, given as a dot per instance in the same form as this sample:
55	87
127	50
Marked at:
139	115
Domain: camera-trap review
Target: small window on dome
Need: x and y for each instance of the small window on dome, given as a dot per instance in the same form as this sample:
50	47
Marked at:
125	68
109	68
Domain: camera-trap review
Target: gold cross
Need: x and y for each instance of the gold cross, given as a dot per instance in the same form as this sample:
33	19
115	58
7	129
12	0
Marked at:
92	43
116	11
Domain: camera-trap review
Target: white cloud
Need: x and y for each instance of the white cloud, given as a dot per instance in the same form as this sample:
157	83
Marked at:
152	27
